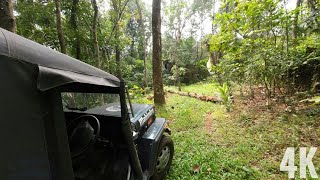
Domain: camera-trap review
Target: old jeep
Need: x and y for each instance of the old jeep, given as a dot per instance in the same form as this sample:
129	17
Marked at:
62	119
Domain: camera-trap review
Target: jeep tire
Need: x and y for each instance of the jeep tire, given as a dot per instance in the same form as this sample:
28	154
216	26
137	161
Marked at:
164	158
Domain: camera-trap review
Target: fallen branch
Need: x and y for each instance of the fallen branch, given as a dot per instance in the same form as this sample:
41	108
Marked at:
201	97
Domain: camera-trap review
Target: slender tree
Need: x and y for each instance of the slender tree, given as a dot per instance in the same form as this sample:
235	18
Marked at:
116	7
7	20
62	42
178	41
74	26
295	20
142	44
94	33
156	53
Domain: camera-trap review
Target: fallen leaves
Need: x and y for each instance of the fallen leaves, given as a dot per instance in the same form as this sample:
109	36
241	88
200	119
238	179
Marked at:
195	169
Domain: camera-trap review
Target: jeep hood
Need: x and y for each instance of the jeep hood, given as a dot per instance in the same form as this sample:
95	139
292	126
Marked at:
114	109
142	112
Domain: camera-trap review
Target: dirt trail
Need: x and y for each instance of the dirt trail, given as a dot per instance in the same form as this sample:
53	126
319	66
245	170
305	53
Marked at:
208	123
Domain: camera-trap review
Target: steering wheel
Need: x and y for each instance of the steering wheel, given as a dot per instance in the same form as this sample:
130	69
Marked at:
83	134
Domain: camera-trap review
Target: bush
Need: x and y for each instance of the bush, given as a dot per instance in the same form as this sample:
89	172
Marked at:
195	72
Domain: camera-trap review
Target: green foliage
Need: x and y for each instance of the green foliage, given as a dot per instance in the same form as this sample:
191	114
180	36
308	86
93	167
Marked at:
254	38
196	72
225	95
205	88
258	48
133	72
136	92
181	47
36	21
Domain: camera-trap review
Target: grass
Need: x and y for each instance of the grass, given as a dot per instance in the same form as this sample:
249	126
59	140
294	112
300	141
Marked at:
247	143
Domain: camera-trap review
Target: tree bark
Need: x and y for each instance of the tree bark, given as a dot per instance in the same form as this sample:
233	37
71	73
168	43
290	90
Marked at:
74	26
156	53
62	42
213	56
116	7
289	87
143	43
7	19
175	57
118	58
94	33
295	20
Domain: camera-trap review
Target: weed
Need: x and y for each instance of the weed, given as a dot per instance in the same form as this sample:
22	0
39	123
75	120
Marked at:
245	119
224	92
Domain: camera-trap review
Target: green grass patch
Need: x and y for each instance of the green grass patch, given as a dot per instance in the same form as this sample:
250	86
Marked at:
240	145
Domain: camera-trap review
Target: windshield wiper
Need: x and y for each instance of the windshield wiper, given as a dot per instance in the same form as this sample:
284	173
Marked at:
76	108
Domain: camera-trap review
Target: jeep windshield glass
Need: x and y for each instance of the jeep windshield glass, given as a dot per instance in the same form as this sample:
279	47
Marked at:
86	101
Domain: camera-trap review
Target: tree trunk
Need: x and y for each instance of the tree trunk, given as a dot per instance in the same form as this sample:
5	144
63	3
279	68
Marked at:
295	20
116	7
62	42
74	26
156	53
267	85
95	40
143	43
175	59
7	20
213	17
118	58
289	90
213	57
177	46
94	33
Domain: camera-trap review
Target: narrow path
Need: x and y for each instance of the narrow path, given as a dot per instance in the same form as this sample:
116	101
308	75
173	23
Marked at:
208	123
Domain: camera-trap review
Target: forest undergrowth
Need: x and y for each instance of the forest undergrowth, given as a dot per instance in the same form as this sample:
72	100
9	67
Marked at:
246	143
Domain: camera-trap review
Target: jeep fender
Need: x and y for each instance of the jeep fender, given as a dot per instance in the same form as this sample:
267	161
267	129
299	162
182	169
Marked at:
148	147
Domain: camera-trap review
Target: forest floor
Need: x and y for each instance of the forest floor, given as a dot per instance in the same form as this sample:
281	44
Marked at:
247	143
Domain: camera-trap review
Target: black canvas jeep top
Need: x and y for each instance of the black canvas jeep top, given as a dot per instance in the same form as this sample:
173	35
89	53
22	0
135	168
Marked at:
37	126
54	68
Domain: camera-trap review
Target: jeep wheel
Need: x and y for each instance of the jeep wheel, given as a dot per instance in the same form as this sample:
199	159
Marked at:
164	158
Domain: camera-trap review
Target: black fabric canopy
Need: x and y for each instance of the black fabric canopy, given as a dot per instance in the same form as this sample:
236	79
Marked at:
55	68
